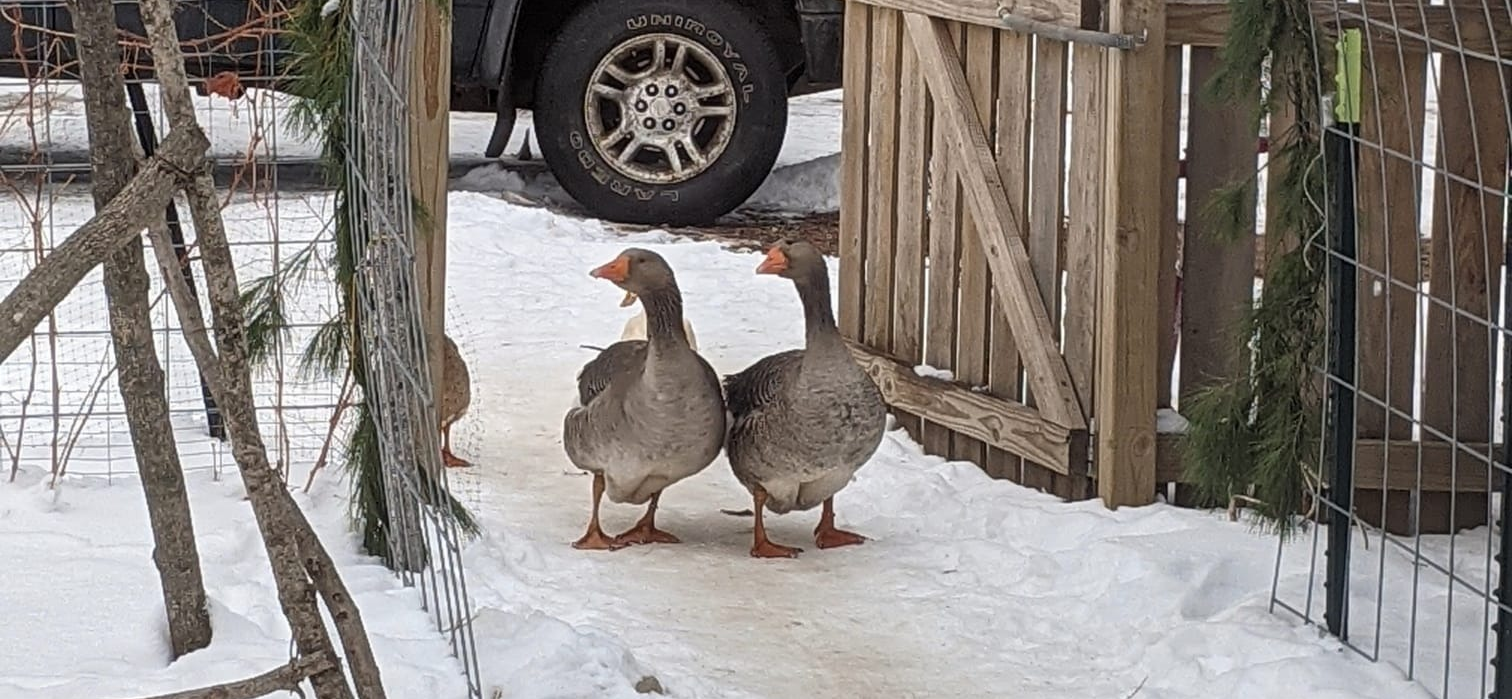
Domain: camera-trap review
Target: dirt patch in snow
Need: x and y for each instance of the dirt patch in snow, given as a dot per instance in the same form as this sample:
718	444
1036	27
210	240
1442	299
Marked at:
758	232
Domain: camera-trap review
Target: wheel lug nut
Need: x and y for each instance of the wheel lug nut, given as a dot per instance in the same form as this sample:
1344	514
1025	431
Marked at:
671	90
640	105
650	123
679	109
651	90
669	124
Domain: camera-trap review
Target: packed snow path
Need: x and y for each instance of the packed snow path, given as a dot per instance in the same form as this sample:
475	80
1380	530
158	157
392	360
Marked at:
968	587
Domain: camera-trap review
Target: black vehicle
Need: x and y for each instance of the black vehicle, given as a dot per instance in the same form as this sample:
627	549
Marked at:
647	111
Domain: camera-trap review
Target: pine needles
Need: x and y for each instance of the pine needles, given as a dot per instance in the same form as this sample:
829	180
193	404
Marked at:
322	68
1256	436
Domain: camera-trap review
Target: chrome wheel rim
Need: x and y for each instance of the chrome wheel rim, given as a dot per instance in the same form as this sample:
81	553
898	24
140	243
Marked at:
660	108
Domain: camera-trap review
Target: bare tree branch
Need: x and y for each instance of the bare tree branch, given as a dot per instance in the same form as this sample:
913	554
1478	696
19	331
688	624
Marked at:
293	548
191	319
284	678
138	372
47	284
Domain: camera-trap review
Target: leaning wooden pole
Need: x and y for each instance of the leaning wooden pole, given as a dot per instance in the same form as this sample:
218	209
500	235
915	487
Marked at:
302	567
113	162
47	284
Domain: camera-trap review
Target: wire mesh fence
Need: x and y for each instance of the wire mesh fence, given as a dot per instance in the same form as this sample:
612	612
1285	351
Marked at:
1409	567
383	220
61	414
59	405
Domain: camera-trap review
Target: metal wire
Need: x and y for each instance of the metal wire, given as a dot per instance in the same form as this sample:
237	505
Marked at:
1430	162
423	539
60	409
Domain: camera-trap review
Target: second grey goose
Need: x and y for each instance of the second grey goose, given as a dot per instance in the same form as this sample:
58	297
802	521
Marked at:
805	420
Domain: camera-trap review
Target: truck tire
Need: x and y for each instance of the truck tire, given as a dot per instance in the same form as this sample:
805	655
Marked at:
661	111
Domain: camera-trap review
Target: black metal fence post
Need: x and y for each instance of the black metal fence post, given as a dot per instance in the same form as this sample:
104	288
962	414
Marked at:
1340	153
147	135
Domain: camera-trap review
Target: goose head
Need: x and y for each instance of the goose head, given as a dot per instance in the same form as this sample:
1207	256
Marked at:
638	271
792	259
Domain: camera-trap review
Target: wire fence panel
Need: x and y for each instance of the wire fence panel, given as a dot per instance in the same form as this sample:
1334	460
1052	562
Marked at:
60	409
1408	565
424	542
61	414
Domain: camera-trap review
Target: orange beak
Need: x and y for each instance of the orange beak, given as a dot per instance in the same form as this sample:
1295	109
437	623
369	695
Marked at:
617	271
775	262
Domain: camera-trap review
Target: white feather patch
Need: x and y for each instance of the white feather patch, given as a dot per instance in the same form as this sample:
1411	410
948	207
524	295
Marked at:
635	329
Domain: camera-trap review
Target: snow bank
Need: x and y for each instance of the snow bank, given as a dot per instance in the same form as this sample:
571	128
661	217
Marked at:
803	188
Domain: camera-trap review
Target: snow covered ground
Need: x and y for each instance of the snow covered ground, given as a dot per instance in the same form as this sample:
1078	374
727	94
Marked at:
969	587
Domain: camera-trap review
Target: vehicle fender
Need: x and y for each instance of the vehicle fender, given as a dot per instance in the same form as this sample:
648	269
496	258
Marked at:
822	23
498	39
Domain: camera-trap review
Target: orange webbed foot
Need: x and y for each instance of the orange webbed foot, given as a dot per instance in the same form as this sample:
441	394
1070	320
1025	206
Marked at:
767	549
642	534
828	538
597	540
452	460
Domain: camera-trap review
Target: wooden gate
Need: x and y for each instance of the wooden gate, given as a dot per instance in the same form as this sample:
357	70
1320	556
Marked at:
972	244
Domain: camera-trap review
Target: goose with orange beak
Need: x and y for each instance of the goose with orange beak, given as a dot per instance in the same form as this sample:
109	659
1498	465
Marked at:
803	421
649	412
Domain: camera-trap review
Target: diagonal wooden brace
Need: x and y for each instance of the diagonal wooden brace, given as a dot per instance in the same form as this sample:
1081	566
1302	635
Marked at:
998	226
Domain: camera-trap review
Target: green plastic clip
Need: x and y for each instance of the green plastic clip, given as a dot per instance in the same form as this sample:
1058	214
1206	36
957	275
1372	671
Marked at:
1347	78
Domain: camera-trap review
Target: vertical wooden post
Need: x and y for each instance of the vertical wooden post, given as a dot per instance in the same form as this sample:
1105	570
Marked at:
430	136
1220	151
1127	350
854	155
1388	228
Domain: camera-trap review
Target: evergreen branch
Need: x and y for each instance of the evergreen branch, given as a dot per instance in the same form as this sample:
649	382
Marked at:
1255	437
322	72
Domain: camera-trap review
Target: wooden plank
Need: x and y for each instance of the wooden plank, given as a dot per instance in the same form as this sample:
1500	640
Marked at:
1127	350
1197	23
984	13
1206	24
856	80
972	324
1280	129
1220	151
941	301
1085	216
1466	250
1014	101
1393	463
1008	258
1046	212
1387	223
1170	230
430	132
912	228
1003	424
882	179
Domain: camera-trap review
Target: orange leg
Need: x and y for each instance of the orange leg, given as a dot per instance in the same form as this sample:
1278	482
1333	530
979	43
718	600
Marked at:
645	531
763	547
595	539
827	536
447	457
